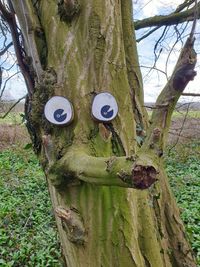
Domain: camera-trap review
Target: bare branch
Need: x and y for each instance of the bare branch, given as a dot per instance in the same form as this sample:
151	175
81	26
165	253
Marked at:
147	34
155	106
161	118
4	87
10	19
181	129
4	12
190	94
154	68
184	5
11	108
31	30
2	52
195	19
179	38
171	19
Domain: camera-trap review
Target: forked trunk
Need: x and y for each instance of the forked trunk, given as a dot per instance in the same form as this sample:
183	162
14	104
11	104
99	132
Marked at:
86	48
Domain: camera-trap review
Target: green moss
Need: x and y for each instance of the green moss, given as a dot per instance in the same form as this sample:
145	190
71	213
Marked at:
42	47
43	91
68	12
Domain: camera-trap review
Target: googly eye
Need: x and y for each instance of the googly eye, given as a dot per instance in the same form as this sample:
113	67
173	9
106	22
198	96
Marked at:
58	110
104	107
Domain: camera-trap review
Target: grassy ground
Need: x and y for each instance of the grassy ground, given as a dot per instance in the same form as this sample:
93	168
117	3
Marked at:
183	168
12	118
28	235
27	227
190	114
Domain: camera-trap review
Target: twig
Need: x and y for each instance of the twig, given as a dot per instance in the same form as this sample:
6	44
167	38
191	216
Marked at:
156	106
182	126
147	34
9	110
179	135
190	94
28	219
3	89
185	4
153	68
2	52
196	13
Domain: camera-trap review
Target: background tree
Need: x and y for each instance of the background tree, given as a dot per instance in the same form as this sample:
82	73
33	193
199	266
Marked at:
112	201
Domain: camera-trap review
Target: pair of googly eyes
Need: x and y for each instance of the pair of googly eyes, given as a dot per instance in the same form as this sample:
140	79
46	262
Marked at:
58	110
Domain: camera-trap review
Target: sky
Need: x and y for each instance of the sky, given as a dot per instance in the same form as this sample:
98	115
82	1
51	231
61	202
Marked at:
153	80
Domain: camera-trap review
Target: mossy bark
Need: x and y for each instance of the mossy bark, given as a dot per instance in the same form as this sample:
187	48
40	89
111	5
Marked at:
94	51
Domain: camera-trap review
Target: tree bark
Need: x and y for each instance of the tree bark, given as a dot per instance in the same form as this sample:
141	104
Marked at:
89	49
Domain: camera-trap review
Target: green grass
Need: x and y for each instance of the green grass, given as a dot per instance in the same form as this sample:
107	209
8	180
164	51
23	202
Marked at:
190	114
16	118
183	168
12	118
28	235
27	228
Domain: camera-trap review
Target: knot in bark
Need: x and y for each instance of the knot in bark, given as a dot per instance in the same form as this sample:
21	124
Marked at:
72	224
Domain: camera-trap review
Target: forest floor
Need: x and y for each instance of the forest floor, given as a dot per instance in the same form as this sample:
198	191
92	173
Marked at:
27	227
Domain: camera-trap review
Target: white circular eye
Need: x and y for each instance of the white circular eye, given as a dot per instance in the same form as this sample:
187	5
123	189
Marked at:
104	107
58	110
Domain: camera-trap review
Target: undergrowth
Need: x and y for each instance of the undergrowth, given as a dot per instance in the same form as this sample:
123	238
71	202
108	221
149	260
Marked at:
28	236
27	229
183	168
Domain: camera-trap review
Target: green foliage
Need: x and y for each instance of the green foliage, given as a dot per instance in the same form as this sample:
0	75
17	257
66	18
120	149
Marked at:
12	118
27	228
190	114
183	168
181	114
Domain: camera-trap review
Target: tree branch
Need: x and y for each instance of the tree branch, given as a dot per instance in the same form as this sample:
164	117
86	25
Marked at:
10	19
11	108
168	20
161	118
190	94
5	83
32	28
4	12
3	51
147	34
139	172
185	4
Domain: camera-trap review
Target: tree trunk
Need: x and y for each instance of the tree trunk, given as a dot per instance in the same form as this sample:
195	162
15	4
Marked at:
79	50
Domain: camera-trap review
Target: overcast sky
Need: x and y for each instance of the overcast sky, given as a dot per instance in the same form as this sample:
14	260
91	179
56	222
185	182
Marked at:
153	80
